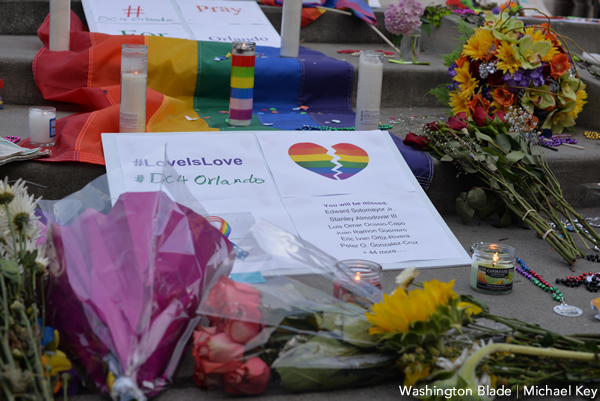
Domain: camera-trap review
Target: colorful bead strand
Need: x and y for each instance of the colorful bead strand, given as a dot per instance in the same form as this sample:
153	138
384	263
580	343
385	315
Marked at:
538	280
241	96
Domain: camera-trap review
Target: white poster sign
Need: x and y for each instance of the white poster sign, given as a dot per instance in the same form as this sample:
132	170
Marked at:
350	194
206	20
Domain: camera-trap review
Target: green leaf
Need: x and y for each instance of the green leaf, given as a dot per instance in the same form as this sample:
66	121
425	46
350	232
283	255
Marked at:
514	157
490	206
476	198
446	158
504	142
484	137
10	269
396	39
426	26
463	210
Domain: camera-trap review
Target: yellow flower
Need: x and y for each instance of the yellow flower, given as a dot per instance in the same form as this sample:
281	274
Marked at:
551	53
458	104
397	311
414	372
471	309
506	55
479	44
579	102
467	82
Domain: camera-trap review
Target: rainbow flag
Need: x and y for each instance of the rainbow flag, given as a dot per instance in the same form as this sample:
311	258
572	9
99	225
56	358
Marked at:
188	90
359	8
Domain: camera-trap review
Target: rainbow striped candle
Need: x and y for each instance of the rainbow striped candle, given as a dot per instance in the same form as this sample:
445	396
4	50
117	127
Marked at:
242	83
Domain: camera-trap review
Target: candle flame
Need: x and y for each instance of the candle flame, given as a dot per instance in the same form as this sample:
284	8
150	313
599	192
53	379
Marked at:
357	276
495	258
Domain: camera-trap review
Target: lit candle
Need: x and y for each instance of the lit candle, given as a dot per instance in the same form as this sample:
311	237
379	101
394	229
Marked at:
60	25
134	77
42	130
243	56
290	28
368	99
363	271
492	268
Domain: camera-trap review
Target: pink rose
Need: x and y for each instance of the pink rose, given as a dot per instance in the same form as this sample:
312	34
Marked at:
250	378
226	291
216	347
242	321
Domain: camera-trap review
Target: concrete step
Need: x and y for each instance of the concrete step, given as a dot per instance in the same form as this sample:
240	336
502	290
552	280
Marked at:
571	166
404	85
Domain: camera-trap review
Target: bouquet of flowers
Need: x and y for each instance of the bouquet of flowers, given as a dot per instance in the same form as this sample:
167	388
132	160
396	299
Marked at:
503	150
505	63
27	371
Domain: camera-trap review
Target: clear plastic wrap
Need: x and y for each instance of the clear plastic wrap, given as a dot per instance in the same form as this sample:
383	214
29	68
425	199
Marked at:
126	282
291	329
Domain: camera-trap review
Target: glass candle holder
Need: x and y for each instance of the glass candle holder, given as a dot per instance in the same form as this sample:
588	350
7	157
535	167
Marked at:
290	28
243	57
492	268
42	126
362	271
368	98
134	78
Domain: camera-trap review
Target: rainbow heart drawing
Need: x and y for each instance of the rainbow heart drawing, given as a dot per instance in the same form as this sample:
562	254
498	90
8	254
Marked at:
341	162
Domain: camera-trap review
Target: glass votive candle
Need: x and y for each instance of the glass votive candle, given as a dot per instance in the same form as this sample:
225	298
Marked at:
492	268
42	126
362	272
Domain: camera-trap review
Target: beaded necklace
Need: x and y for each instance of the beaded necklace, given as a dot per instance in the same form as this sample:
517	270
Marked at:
538	280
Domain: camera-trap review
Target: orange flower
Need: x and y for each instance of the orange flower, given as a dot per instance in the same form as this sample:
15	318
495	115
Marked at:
478	101
504	97
559	65
461	60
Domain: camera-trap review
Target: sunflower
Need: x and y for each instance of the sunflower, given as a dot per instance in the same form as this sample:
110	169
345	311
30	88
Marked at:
507	60
467	82
458	104
397	311
579	102
479	44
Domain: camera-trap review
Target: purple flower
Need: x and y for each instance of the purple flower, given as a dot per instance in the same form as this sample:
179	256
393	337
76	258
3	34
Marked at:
496	10
404	18
451	70
463	11
537	75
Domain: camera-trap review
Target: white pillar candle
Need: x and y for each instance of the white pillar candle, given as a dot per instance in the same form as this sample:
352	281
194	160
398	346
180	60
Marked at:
42	130
290	28
368	99
134	78
60	25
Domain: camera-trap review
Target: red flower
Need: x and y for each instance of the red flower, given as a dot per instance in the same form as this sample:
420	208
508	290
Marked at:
456	123
416	141
495	78
501	115
480	117
434	126
250	378
455	3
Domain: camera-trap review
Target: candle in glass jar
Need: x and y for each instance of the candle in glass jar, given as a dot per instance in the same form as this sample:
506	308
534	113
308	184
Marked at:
492	268
60	25
243	56
134	78
290	28
362	271
368	98
42	131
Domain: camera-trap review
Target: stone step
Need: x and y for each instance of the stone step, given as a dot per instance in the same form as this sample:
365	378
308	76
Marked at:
571	166
404	85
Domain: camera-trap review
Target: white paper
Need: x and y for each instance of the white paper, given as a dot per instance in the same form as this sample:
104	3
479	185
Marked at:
138	12
262	35
222	12
377	227
166	30
213	167
381	174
